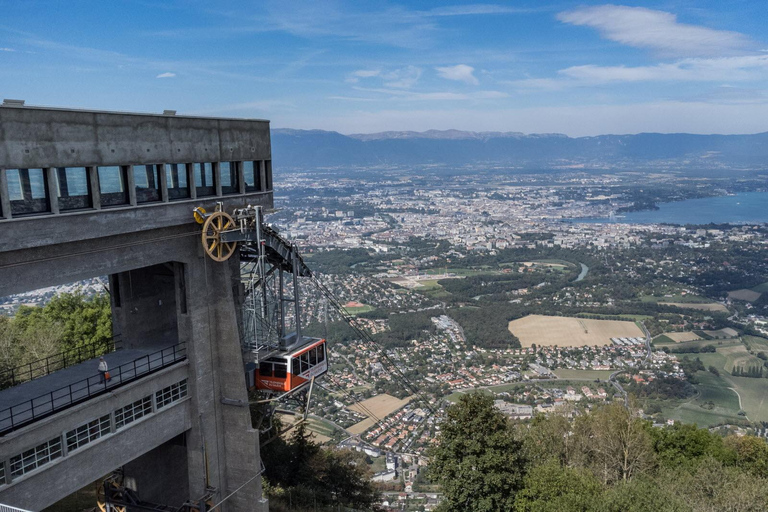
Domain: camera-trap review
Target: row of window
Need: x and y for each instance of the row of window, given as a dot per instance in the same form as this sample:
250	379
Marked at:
308	359
28	189
80	436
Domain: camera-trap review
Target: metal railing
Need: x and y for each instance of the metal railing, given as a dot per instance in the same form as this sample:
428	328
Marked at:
8	508
42	367
39	407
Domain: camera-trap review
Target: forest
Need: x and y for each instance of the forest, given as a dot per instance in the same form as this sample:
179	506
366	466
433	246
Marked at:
605	460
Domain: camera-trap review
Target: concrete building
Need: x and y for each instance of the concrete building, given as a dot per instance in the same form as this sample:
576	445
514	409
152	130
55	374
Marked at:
85	194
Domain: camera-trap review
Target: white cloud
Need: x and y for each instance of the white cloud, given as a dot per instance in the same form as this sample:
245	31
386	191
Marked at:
656	30
472	10
355	76
460	72
166	75
403	95
7	50
403	78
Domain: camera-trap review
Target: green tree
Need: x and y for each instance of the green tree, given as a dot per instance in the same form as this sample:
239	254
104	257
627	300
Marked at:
554	488
477	462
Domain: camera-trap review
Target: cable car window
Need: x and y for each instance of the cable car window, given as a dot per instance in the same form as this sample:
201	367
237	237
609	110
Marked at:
280	372
321	353
312	357
296	367
304	362
265	369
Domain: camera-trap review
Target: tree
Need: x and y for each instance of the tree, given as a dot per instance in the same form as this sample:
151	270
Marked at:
478	462
617	444
554	488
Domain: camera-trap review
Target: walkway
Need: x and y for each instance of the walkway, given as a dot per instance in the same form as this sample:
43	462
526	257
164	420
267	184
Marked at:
43	396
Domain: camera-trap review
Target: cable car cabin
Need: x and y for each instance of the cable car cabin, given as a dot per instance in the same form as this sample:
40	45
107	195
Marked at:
286	372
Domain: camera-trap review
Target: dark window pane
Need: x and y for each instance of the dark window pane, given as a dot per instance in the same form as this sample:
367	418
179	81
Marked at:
73	188
204	179
280	372
252	176
147	181
321	353
312	357
28	191
112	185
229	182
265	369
176	176
296	367
268	173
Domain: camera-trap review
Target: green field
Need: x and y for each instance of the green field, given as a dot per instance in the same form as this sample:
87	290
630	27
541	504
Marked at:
754	396
356	310
690	299
711	388
731	342
663	340
761	288
757	343
460	271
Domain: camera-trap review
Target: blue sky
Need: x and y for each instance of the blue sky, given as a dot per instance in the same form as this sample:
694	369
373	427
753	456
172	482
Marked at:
576	68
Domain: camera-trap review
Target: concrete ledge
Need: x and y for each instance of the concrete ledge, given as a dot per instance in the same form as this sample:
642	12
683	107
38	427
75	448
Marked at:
41	431
66	475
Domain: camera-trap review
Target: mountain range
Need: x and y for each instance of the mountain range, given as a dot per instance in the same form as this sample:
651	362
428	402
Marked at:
316	149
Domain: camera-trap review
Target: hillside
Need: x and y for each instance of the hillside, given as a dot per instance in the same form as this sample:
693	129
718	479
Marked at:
317	149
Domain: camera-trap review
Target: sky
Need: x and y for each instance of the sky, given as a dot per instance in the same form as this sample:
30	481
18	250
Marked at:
578	68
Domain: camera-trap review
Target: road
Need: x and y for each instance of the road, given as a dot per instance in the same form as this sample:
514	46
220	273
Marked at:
583	274
612	378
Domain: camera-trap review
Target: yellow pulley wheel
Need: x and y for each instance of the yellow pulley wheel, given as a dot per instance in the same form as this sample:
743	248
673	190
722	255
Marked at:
199	214
214	226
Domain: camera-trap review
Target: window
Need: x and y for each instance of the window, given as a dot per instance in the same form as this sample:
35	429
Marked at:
36	457
146	178
304	358
321	353
280	371
265	369
252	176
204	179
176	177
170	394
28	191
87	433
133	412
3	480
229	181
112	185
73	188
296	369
313	357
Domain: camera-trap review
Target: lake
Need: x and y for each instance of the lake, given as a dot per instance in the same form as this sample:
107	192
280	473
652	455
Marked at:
743	208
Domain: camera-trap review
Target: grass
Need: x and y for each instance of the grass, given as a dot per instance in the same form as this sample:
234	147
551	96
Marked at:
356	310
459	271
731	342
754	396
427	285
761	288
711	389
592	375
757	343
689	299
737	356
663	340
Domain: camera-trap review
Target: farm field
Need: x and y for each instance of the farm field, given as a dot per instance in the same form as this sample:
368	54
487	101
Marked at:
320	430
746	295
722	333
679	337
570	332
356	310
677	299
757	343
566	373
708	306
380	406
633	317
754	396
762	288
737	356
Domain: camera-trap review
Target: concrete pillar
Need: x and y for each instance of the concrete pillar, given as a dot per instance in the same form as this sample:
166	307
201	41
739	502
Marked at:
224	446
160	476
5	200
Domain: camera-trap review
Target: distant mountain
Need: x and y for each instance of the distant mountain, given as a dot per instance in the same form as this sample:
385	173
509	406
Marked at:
317	148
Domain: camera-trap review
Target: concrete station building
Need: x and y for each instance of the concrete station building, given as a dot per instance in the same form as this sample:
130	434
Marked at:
86	194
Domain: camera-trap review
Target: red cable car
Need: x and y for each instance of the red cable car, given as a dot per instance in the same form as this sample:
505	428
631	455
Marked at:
286	372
